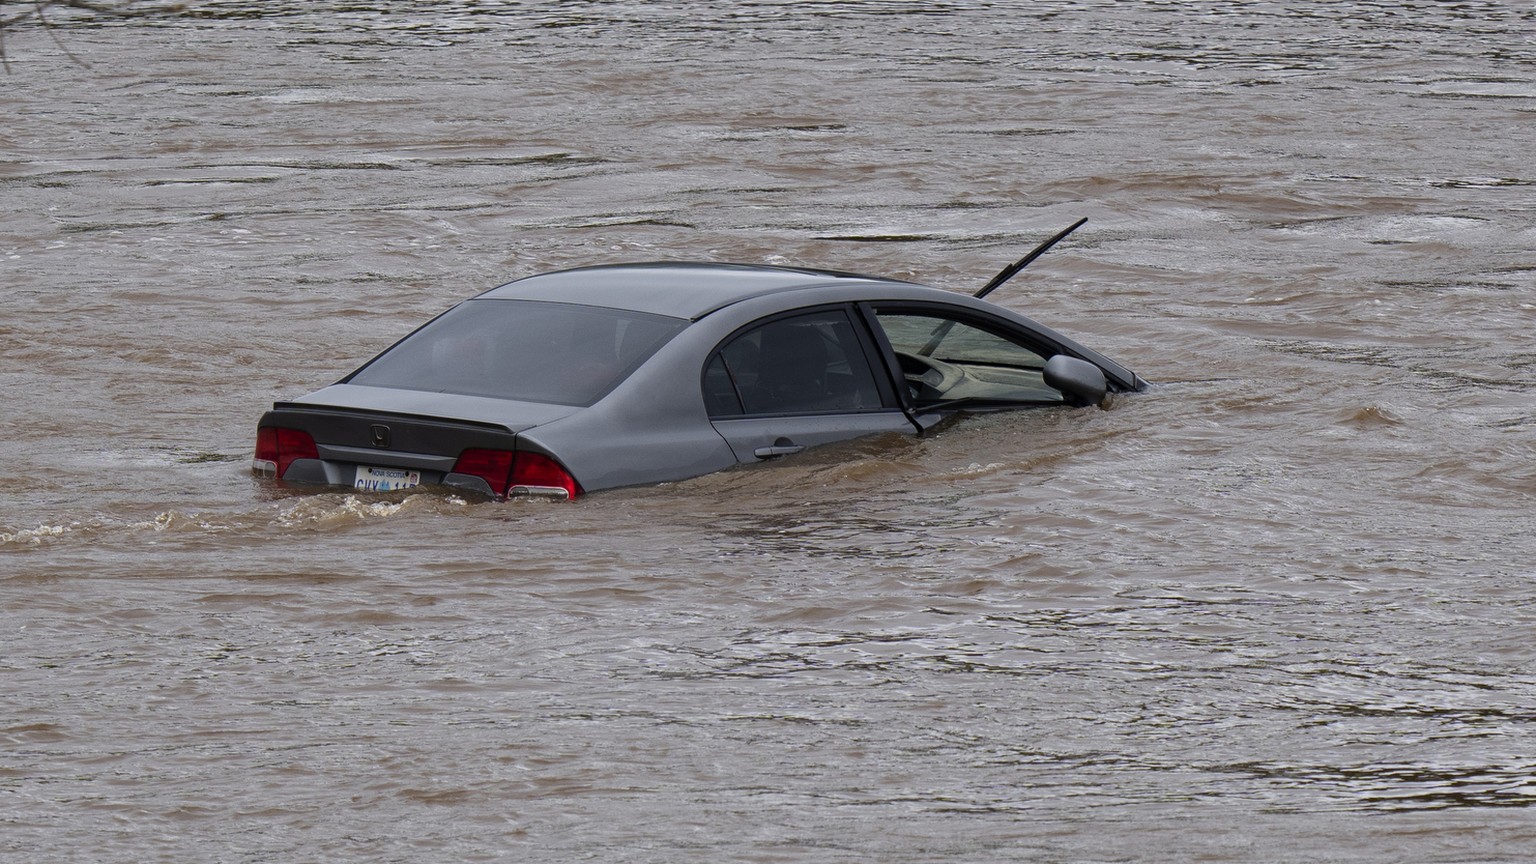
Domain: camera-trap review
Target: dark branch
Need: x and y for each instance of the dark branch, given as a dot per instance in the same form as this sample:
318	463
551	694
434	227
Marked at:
38	10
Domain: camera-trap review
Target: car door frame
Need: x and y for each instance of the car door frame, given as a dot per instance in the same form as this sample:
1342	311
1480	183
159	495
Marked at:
1039	339
756	437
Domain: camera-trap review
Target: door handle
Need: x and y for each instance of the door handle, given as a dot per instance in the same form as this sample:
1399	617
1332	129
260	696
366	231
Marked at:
781	447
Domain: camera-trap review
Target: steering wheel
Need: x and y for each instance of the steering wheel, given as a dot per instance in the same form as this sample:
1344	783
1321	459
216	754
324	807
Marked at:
927	378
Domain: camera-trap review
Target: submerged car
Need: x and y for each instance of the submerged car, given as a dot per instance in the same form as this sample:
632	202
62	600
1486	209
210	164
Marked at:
619	375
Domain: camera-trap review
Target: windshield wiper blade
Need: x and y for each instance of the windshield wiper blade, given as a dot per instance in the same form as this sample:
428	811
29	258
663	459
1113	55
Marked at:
1007	273
1013	269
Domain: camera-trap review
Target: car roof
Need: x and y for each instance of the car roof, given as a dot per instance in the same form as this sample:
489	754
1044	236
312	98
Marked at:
680	289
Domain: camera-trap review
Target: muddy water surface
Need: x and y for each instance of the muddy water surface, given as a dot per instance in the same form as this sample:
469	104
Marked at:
1279	608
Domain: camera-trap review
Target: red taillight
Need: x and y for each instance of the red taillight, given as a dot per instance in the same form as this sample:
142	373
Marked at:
278	447
511	473
492	466
537	474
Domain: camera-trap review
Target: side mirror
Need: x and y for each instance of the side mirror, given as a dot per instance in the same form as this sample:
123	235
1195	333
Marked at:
1077	379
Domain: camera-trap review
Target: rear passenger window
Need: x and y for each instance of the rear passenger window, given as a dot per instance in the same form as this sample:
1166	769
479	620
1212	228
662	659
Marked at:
808	364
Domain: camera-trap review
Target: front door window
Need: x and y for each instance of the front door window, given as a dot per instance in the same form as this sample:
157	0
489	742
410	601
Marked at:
944	359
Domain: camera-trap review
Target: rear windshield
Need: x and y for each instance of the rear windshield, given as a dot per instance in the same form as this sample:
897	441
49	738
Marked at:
522	349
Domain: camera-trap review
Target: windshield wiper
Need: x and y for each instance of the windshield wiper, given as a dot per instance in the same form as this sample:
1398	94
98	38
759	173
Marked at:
1007	273
1013	269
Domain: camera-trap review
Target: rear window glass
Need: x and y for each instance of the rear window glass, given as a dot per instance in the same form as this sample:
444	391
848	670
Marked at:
522	349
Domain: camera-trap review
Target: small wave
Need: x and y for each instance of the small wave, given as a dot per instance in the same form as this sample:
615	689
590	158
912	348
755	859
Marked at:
33	536
308	512
327	511
1371	417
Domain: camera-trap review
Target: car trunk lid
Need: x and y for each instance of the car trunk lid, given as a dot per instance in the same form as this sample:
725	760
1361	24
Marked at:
363	445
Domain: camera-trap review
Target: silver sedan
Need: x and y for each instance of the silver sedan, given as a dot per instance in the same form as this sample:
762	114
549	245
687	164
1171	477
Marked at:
609	376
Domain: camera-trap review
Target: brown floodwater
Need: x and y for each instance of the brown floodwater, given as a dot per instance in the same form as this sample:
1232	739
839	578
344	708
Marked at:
1282	606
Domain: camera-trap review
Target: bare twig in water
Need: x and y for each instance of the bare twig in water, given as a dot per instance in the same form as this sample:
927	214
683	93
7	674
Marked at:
37	11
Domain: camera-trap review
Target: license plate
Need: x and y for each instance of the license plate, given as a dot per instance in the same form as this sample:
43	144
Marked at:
371	479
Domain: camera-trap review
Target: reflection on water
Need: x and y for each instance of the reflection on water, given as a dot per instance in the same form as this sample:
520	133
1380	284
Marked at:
1279	602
